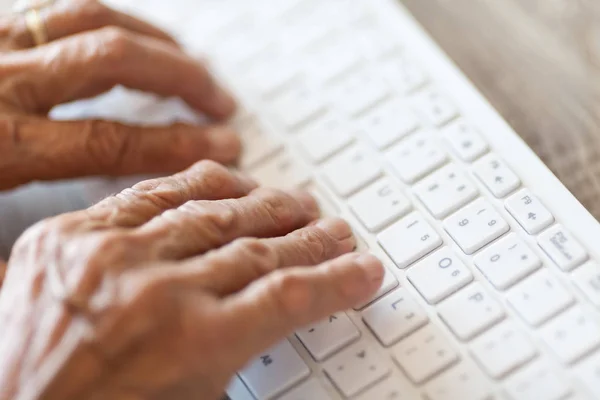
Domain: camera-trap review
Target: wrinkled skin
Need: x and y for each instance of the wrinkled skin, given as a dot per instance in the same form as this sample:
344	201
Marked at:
93	48
164	291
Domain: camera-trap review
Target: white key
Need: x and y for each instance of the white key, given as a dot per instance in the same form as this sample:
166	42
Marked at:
328	336
424	354
258	141
475	226
237	390
297	106
331	59
394	387
502	349
403	73
389	283
573	334
529	211
271	76
562	248
539	297
439	275
352	169
587	279
538	381
445	191
327	207
380	204
388	123
463	381
312	389
465	140
416	156
435	106
281	171
275	370
394	316
507	261
496	176
589	371
409	239
325	137
357	92
355	368
470	311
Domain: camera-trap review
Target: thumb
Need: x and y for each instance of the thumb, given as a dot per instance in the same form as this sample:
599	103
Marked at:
40	149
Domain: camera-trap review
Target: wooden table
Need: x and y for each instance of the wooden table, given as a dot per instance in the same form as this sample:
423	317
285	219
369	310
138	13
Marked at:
538	63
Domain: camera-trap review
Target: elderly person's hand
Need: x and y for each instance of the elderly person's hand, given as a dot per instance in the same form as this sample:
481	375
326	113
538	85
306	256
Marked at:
92	48
165	290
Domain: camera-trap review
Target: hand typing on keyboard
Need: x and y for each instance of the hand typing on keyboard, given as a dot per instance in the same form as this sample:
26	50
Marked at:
84	49
166	290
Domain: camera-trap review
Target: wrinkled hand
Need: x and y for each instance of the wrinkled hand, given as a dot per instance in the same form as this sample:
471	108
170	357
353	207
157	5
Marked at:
93	48
165	290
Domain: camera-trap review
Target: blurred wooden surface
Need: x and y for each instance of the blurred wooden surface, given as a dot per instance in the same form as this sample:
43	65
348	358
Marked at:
538	63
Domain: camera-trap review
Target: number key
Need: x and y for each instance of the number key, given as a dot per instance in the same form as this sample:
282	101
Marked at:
475	226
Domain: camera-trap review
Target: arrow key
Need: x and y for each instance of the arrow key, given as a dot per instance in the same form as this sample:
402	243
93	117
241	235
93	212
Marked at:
355	368
496	175
529	211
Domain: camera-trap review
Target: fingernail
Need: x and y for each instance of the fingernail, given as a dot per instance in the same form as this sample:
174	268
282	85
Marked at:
336	227
225	145
308	202
372	266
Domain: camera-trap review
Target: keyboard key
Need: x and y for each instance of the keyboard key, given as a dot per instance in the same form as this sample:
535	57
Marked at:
258	141
355	368
416	156
327	207
445	191
328	336
589	371
237	389
274	371
357	92
281	171
380	204
403	73
572	335
562	248
507	261
394	317
309	390
387	123
297	106
394	387
389	283
271	76
439	275
409	239
496	176
435	107
529	212
587	279
463	381
351	170
502	349
424	354
539	298
538	381
475	226
330	59
470	311
324	137
464	139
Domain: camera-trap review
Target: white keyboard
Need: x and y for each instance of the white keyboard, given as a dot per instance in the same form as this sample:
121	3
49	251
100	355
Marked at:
493	282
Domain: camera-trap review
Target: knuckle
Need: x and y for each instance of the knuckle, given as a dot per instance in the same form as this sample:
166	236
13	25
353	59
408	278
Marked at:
115	43
94	10
219	218
290	293
257	254
279	206
211	177
316	245
107	145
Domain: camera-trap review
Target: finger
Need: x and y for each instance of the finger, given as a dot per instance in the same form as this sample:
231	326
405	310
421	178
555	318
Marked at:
205	180
2	272
91	63
47	150
199	226
286	300
231	268
68	17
